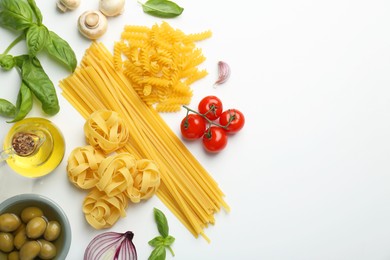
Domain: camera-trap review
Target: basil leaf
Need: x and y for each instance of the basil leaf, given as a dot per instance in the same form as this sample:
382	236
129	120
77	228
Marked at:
162	8
158	253
7	109
15	15
24	103
168	240
36	38
157	241
61	50
7	62
39	83
36	11
162	223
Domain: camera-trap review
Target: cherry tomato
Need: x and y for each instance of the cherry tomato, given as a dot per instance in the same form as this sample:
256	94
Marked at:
233	119
215	139
211	107
193	126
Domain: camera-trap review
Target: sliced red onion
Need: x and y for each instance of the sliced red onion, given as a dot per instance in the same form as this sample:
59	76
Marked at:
223	72
111	245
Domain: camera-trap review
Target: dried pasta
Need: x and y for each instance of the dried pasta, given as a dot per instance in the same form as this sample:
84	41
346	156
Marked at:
160	62
186	187
104	130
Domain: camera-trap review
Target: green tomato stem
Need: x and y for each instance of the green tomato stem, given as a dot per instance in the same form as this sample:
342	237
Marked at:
208	120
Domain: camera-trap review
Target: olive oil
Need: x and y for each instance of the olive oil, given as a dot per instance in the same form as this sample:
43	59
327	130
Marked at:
36	147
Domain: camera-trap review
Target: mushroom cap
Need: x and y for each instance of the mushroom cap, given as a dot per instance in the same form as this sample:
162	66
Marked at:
65	5
111	7
92	24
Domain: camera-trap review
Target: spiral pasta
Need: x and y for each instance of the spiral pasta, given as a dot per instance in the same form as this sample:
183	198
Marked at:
83	162
105	130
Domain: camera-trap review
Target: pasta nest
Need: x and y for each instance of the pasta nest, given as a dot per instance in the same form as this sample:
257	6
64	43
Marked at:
105	130
103	211
83	162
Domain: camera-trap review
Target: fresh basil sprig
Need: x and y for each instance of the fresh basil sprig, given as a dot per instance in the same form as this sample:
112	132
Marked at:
162	8
162	242
25	17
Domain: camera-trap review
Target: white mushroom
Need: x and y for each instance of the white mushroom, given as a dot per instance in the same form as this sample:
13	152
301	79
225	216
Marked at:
92	24
112	7
65	5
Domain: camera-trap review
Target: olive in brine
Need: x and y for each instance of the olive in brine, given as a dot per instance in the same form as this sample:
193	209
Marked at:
30	250
6	242
9	222
30	213
52	231
20	238
14	255
36	227
48	250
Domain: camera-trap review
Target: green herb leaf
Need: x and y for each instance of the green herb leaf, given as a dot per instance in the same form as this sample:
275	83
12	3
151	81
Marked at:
15	15
7	109
162	223
162	8
157	241
158	254
61	50
7	62
168	240
24	103
36	38
36	79
36	11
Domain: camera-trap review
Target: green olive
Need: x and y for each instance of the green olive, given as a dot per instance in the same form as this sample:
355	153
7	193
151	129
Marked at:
6	242
36	227
30	213
20	238
14	255
52	231
30	250
9	222
48	249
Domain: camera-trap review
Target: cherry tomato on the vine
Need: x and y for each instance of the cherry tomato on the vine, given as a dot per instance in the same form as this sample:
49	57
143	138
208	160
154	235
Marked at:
215	139
193	126
211	107
233	119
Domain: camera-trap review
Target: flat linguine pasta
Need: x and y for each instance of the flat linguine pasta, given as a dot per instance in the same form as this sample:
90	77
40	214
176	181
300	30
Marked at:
186	187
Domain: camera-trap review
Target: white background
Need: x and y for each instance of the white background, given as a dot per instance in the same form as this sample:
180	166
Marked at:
309	175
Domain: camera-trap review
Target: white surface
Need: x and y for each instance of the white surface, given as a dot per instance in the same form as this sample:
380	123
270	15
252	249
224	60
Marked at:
309	175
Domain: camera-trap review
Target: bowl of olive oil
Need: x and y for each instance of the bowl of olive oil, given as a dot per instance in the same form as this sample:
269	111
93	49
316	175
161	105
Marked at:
33	147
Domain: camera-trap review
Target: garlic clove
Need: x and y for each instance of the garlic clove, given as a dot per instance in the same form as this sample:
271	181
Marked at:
111	7
92	24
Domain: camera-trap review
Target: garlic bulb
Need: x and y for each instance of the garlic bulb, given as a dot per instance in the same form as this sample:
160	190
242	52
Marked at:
111	7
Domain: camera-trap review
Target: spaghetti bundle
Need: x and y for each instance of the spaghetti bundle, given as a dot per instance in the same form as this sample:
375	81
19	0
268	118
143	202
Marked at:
186	187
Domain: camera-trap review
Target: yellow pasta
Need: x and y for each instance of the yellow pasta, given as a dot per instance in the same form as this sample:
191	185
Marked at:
159	61
105	130
186	188
83	162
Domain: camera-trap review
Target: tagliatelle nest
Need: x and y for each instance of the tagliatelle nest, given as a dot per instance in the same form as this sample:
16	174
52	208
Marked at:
102	211
146	181
115	174
83	162
105	130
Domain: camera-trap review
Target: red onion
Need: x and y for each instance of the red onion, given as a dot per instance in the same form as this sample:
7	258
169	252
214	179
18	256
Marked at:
111	245
223	72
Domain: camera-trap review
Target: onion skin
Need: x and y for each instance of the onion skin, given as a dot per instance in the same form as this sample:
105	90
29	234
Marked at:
119	246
